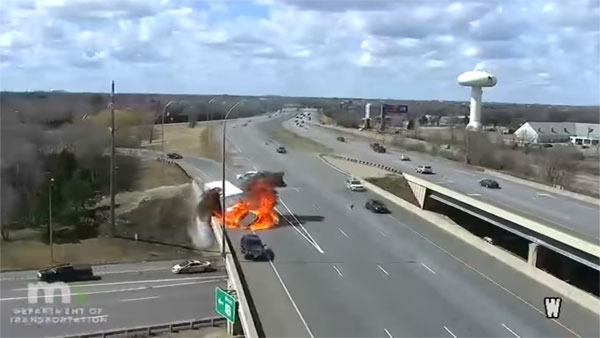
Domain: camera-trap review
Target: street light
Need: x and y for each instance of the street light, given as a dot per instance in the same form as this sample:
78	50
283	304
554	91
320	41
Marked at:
209	112
163	126
223	209
50	230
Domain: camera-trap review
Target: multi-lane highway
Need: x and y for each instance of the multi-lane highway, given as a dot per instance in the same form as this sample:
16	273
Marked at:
126	296
564	213
339	272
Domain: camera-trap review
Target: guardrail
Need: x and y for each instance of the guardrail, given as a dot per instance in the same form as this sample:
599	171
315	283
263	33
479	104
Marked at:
156	329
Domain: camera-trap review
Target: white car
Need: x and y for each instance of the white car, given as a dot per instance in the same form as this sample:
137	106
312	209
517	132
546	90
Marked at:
354	185
246	175
191	266
424	169
404	157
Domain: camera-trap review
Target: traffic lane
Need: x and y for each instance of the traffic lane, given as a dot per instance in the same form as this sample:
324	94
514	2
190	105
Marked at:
276	310
117	283
121	310
101	270
519	198
503	285
507	315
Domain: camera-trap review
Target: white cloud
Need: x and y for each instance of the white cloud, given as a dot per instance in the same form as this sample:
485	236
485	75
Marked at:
304	47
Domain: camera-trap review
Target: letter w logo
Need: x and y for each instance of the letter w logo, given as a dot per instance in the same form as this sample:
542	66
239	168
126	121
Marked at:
33	290
552	305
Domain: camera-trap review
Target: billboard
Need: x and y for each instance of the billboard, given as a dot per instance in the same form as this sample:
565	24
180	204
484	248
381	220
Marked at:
394	109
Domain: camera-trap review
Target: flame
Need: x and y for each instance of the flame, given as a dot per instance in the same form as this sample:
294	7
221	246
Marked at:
260	200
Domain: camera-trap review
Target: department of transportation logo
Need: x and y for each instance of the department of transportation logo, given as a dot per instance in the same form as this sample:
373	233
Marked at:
48	291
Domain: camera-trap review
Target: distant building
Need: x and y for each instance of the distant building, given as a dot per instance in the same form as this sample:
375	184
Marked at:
558	132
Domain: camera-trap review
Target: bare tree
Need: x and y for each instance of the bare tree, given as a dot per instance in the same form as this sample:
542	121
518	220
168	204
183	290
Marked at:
558	165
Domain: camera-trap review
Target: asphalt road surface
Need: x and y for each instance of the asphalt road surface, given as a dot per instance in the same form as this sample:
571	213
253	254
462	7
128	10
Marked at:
126	296
339	272
566	214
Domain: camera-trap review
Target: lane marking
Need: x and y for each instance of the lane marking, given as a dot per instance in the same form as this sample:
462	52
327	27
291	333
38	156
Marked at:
545	195
338	271
382	233
474	194
118	290
224	277
484	276
130	271
450	332
466	172
134	299
306	234
343	233
291	299
428	268
383	270
511	331
388	333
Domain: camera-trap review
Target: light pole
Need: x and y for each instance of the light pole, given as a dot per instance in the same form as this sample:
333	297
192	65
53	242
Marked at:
223	208
209	112
163	126
113	227
50	230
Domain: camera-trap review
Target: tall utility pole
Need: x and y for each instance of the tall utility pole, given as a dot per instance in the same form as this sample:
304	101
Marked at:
50	227
112	160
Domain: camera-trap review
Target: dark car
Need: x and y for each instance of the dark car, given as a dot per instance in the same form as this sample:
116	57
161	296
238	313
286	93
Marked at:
67	273
174	156
377	206
488	183
281	150
341	139
252	247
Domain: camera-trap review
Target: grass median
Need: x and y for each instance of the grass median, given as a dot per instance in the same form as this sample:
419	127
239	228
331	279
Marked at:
397	185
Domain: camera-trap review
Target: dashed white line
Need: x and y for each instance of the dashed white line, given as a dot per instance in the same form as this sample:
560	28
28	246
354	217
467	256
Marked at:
474	194
545	194
511	331
134	299
466	172
450	332
382	233
533	307
388	333
338	271
343	233
383	270
428	268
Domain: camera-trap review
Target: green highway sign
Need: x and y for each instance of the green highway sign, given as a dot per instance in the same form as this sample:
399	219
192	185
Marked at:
225	304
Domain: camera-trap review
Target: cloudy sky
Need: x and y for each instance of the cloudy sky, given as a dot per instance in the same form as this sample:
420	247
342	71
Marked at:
541	51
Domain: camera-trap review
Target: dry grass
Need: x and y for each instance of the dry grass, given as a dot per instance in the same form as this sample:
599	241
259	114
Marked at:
397	185
180	138
152	174
356	169
33	254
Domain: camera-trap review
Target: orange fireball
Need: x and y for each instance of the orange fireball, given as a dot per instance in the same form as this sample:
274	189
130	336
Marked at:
260	199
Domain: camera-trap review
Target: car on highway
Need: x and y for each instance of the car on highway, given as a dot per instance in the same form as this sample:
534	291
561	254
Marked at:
252	247
404	157
341	139
489	183
174	156
246	175
281	150
424	169
354	184
66	273
377	206
192	266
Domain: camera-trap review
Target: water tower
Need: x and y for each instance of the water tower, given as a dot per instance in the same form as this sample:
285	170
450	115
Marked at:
476	80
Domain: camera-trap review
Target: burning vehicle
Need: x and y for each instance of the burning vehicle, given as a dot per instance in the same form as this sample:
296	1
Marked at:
253	206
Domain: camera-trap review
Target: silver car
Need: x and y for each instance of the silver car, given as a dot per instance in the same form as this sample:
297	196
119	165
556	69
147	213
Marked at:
192	266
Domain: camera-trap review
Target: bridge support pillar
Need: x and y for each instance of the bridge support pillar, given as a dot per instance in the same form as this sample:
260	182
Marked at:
419	191
532	255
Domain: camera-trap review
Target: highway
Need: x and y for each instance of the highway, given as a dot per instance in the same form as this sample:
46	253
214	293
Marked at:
127	295
348	273
564	213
